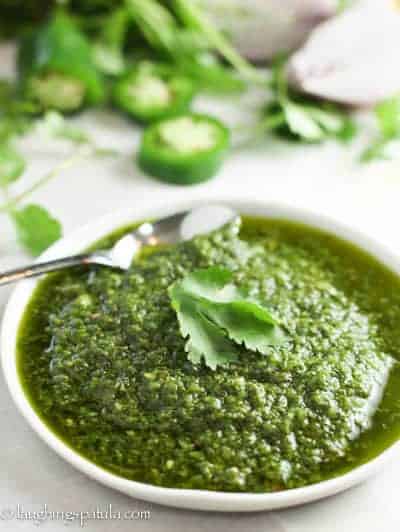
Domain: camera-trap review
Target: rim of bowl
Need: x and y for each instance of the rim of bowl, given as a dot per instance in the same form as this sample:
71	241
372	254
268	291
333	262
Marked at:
176	497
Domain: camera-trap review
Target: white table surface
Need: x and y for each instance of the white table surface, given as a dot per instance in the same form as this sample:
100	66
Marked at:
324	178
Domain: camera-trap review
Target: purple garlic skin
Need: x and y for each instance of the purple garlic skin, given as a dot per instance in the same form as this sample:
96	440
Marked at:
354	58
260	29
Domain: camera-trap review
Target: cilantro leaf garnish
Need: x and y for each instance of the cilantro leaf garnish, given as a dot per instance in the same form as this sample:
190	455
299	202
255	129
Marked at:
36	228
216	317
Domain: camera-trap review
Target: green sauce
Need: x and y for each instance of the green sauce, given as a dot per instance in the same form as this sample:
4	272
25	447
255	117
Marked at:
102	361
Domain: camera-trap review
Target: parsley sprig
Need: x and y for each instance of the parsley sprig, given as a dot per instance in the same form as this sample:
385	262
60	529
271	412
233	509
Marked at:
216	318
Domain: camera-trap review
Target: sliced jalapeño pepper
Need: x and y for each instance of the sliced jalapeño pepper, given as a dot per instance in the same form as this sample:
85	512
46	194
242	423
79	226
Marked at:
56	69
184	150
151	92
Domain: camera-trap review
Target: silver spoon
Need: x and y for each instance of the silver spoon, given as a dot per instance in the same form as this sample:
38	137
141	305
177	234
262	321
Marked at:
170	230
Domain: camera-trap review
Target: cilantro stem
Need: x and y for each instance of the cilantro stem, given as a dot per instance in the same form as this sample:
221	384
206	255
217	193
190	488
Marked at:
267	124
6	196
9	205
271	122
194	17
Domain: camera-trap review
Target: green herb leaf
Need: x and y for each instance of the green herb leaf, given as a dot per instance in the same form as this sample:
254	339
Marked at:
381	149
329	121
53	124
348	131
155	22
301	118
313	122
388	115
215	317
36	228
387	144
301	123
12	165
204	338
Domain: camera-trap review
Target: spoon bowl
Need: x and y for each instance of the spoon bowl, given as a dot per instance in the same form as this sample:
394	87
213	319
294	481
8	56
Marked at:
169	230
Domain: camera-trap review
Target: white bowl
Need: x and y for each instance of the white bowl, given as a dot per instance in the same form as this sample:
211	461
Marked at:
182	498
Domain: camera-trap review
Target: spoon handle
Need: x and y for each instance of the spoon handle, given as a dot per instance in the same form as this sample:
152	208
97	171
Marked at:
44	267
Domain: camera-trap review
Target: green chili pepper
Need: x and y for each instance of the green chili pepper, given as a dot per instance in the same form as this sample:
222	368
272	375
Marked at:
151	92
56	68
184	150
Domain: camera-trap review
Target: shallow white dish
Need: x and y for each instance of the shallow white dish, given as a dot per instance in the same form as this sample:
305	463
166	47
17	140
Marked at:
182	498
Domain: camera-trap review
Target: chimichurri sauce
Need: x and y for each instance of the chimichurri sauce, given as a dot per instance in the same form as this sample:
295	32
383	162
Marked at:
103	362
